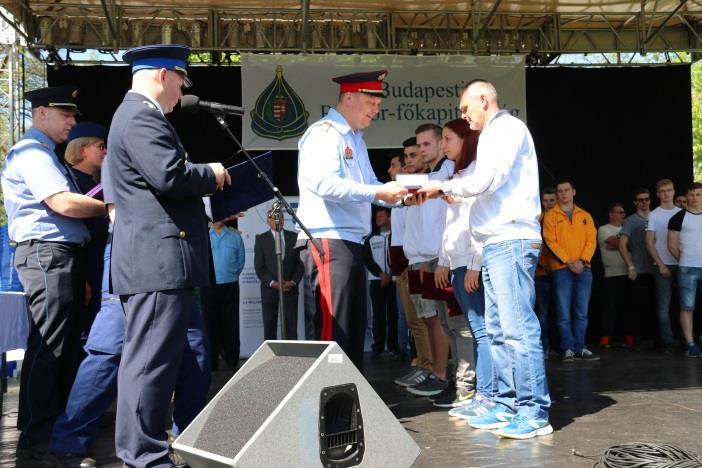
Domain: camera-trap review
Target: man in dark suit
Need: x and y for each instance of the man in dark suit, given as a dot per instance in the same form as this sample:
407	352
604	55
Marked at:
266	267
160	248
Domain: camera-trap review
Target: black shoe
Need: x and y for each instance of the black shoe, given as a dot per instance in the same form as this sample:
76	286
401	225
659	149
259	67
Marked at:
445	393
431	386
376	354
68	460
32	452
458	397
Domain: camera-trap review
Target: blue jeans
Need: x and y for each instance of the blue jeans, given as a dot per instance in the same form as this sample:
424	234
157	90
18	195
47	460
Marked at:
402	330
473	306
543	302
513	328
664	293
572	293
688	277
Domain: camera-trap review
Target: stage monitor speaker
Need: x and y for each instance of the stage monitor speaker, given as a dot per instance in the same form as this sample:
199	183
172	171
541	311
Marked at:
297	404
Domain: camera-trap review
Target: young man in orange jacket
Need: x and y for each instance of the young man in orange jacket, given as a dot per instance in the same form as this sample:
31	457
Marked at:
569	233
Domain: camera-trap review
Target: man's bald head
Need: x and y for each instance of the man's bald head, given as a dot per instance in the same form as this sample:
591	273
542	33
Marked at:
479	87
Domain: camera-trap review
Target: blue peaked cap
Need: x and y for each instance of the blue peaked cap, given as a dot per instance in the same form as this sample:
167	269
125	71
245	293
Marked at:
86	130
169	56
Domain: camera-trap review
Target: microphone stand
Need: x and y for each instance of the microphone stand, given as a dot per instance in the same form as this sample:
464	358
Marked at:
280	204
278	218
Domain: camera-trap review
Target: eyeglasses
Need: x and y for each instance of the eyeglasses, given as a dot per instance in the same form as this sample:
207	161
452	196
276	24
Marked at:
464	109
642	200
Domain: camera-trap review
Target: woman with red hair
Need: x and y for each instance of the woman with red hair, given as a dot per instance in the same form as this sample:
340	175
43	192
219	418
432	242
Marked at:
461	256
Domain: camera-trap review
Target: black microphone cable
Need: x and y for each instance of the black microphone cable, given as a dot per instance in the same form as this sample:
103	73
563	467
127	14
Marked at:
644	455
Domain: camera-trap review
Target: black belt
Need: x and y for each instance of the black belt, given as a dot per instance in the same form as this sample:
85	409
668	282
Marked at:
98	239
32	242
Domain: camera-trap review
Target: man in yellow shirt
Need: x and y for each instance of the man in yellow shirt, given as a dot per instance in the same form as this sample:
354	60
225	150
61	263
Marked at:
570	235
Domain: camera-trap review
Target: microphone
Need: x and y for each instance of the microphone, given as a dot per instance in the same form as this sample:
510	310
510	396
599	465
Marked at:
192	103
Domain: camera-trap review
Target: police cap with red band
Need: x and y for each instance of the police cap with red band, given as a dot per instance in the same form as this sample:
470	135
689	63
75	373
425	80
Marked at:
363	82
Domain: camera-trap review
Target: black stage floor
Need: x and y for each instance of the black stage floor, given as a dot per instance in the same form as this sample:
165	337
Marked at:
627	396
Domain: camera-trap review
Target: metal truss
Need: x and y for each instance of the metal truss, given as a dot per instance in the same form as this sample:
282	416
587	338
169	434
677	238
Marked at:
107	25
12	80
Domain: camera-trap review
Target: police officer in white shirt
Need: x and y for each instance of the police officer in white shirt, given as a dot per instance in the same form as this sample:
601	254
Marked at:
337	186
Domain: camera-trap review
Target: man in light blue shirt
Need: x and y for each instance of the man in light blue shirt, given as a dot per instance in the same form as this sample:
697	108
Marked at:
45	213
337	185
220	301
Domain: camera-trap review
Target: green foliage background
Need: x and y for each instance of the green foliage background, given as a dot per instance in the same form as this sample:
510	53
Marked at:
33	72
696	77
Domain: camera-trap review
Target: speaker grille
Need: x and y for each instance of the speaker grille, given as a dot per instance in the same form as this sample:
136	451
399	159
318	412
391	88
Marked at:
341	439
248	403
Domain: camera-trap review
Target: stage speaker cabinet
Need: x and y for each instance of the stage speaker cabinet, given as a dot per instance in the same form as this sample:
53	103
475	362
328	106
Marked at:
297	404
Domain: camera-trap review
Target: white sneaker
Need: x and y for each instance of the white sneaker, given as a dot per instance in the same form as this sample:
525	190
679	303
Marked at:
568	356
586	355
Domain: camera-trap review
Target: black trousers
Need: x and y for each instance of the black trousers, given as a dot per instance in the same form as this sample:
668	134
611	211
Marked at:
644	319
269	307
617	313
339	283
155	337
53	278
384	303
220	309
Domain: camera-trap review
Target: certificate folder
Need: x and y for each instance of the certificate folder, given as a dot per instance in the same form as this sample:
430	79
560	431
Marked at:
247	189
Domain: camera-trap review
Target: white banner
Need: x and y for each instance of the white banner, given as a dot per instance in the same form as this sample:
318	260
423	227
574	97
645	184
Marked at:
250	315
284	94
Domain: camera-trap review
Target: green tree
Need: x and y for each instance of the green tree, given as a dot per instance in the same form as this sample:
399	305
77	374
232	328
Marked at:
696	77
31	74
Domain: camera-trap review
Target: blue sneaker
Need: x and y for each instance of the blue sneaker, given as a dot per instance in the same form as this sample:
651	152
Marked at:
523	428
693	350
476	406
498	416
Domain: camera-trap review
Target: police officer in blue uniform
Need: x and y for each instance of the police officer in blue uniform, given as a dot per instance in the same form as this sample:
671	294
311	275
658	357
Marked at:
85	152
337	186
160	249
95	387
45	211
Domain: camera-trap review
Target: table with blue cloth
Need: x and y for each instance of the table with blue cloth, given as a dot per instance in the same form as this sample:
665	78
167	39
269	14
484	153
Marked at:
14	328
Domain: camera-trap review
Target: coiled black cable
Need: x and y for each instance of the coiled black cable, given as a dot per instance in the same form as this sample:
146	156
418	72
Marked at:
644	455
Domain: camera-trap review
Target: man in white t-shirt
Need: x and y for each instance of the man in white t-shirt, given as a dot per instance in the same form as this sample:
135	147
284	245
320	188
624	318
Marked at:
685	244
424	228
665	266
617	308
422	364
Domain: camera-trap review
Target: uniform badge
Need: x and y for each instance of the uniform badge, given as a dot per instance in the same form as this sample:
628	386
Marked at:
348	152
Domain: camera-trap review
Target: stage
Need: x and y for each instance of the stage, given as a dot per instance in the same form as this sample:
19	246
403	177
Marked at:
627	396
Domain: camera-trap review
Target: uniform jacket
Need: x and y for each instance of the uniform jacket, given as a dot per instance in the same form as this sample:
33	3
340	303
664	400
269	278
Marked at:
160	238
265	261
336	180
569	240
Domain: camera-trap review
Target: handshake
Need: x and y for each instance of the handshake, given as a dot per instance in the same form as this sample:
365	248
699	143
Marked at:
409	189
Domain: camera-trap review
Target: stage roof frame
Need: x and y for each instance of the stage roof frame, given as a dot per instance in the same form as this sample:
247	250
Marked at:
541	28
